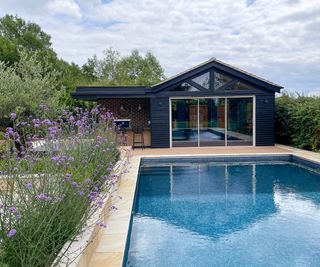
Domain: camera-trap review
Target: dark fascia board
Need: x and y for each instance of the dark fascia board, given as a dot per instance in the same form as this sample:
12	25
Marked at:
220	66
93	93
113	89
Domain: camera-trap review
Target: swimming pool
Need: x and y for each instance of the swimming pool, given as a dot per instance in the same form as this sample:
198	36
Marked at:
226	211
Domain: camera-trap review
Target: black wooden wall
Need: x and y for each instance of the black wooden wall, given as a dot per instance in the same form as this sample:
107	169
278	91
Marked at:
159	115
265	105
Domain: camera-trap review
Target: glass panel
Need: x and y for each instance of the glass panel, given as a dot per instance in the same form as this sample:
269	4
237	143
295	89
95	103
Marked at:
220	80
184	87
203	80
212	122
242	86
184	122
240	121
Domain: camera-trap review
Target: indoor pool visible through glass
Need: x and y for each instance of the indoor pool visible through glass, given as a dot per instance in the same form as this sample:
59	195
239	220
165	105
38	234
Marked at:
226	214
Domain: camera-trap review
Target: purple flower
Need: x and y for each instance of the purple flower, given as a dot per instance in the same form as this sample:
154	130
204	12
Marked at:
36	123
100	203
29	186
102	225
12	209
43	197
13	116
11	233
74	184
93	196
9	132
46	122
53	131
55	158
71	119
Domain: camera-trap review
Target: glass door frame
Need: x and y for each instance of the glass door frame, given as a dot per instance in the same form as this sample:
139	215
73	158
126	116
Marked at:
225	115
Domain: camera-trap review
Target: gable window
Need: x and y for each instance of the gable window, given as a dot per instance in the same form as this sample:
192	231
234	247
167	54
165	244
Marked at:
184	87
203	80
242	86
220	80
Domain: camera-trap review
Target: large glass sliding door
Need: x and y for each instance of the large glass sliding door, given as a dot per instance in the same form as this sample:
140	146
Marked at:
212	122
184	122
240	122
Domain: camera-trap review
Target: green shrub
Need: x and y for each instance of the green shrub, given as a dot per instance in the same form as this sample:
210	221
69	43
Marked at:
297	121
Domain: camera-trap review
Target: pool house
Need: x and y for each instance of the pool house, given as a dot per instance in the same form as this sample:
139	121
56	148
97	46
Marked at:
211	104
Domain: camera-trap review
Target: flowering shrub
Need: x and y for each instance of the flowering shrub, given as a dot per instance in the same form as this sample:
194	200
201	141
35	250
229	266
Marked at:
55	175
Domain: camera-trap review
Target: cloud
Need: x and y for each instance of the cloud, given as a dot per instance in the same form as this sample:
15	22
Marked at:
64	7
276	39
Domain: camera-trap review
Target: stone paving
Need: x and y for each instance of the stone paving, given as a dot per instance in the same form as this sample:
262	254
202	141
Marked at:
111	246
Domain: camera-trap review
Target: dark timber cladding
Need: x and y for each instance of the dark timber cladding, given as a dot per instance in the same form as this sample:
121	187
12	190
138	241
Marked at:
160	131
211	80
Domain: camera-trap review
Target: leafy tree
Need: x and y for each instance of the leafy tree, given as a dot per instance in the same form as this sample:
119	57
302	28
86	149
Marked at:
16	33
8	51
21	40
134	69
25	85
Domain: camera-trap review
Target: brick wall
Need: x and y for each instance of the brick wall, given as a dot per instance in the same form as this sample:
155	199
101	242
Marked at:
139	117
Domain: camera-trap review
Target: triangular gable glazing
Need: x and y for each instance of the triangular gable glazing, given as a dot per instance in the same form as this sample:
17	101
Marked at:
220	80
184	87
242	86
203	80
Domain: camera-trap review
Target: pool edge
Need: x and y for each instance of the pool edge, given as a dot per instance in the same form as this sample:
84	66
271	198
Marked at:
131	192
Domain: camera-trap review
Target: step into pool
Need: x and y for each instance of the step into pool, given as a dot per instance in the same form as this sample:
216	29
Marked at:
226	211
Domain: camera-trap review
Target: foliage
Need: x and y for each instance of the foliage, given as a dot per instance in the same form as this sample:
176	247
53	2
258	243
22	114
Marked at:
16	33
298	121
49	197
114	70
21	40
25	85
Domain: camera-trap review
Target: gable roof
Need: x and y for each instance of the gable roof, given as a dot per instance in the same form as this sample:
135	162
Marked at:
94	93
219	65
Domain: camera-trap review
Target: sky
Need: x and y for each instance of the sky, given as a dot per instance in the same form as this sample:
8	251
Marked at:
276	39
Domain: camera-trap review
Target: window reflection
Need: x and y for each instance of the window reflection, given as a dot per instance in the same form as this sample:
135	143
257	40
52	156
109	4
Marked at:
203	80
220	80
240	121
184	87
184	122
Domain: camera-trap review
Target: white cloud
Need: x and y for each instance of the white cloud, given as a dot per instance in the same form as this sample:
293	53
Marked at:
276	39
64	7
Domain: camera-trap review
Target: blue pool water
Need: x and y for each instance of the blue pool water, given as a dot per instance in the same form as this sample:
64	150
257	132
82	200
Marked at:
226	214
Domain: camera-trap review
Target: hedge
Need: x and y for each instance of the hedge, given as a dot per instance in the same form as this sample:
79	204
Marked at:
298	121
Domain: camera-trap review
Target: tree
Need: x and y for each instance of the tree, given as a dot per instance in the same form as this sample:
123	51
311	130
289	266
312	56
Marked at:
16	33
25	85
130	70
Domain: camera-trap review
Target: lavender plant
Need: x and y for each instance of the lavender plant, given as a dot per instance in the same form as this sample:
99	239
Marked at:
55	175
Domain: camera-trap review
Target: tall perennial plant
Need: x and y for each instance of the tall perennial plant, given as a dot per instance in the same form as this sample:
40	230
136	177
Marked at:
54	176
